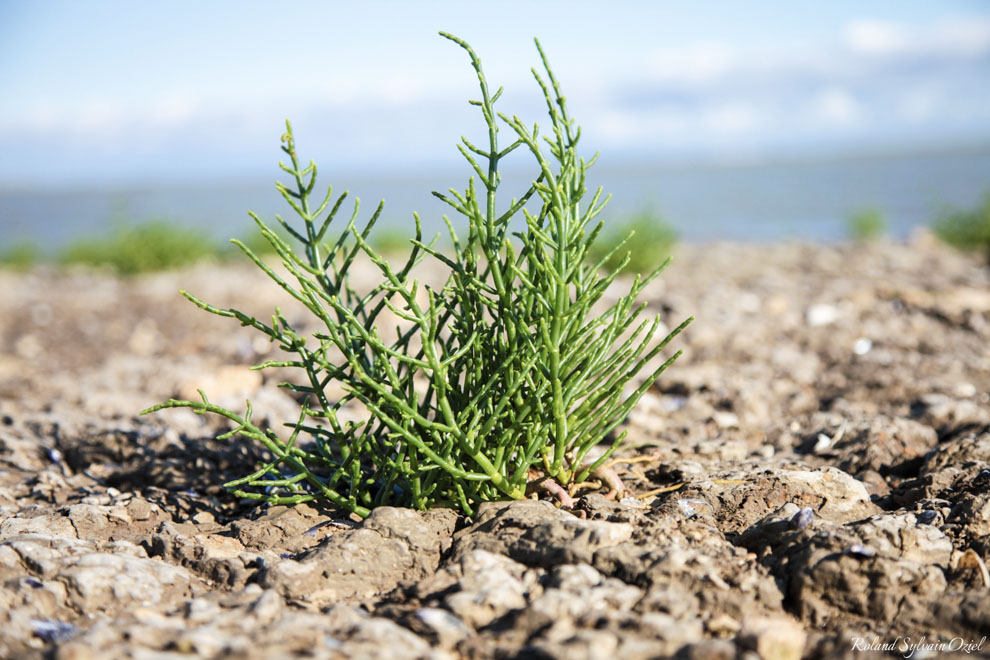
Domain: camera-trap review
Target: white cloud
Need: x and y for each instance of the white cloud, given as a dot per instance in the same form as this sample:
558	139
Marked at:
921	104
971	37
395	91
732	117
876	37
955	37
628	126
697	63
675	125
876	80
837	107
95	118
175	108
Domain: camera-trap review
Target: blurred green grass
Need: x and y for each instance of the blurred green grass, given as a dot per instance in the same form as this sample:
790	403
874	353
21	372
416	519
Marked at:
966	229
652	241
147	247
866	224
22	255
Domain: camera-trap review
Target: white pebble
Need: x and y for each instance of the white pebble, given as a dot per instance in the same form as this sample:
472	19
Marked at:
862	346
819	315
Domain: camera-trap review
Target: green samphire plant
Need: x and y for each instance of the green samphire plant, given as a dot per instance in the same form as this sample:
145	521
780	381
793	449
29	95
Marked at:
501	382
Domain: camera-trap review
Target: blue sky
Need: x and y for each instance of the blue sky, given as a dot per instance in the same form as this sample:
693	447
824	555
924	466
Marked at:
112	93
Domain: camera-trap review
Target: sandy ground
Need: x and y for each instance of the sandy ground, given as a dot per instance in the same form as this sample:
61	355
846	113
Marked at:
814	477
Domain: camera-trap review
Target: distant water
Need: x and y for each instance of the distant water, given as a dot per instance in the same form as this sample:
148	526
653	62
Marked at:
808	201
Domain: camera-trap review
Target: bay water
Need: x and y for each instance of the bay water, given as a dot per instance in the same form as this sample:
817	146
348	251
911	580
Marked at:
809	201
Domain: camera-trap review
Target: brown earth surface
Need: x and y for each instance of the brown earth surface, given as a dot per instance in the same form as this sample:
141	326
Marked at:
814	470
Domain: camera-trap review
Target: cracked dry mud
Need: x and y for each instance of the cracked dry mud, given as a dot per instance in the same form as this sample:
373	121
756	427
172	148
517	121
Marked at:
819	462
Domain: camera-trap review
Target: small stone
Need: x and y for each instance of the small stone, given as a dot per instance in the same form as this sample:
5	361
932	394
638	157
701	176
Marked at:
448	628
670	629
28	347
369	634
692	507
819	315
964	390
200	610
139	509
802	518
490	588
145	339
723	625
709	649
874	482
858	550
946	414
775	638
862	346
53	631
725	420
268	606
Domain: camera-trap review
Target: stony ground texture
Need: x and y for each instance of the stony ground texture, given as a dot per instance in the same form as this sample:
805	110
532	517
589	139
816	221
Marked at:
815	469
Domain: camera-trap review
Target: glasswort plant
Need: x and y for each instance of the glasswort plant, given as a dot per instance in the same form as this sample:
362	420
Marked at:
503	380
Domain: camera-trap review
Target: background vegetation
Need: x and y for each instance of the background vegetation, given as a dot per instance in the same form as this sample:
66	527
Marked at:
155	245
966	229
20	256
866	224
652	241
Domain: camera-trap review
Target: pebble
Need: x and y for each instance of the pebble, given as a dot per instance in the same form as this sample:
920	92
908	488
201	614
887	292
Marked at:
802	518
776	638
858	550
725	420
53	631
723	625
448	627
819	315
862	346
691	507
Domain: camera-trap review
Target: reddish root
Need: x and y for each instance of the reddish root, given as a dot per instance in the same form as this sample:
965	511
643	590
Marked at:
548	485
605	474
616	489
558	491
